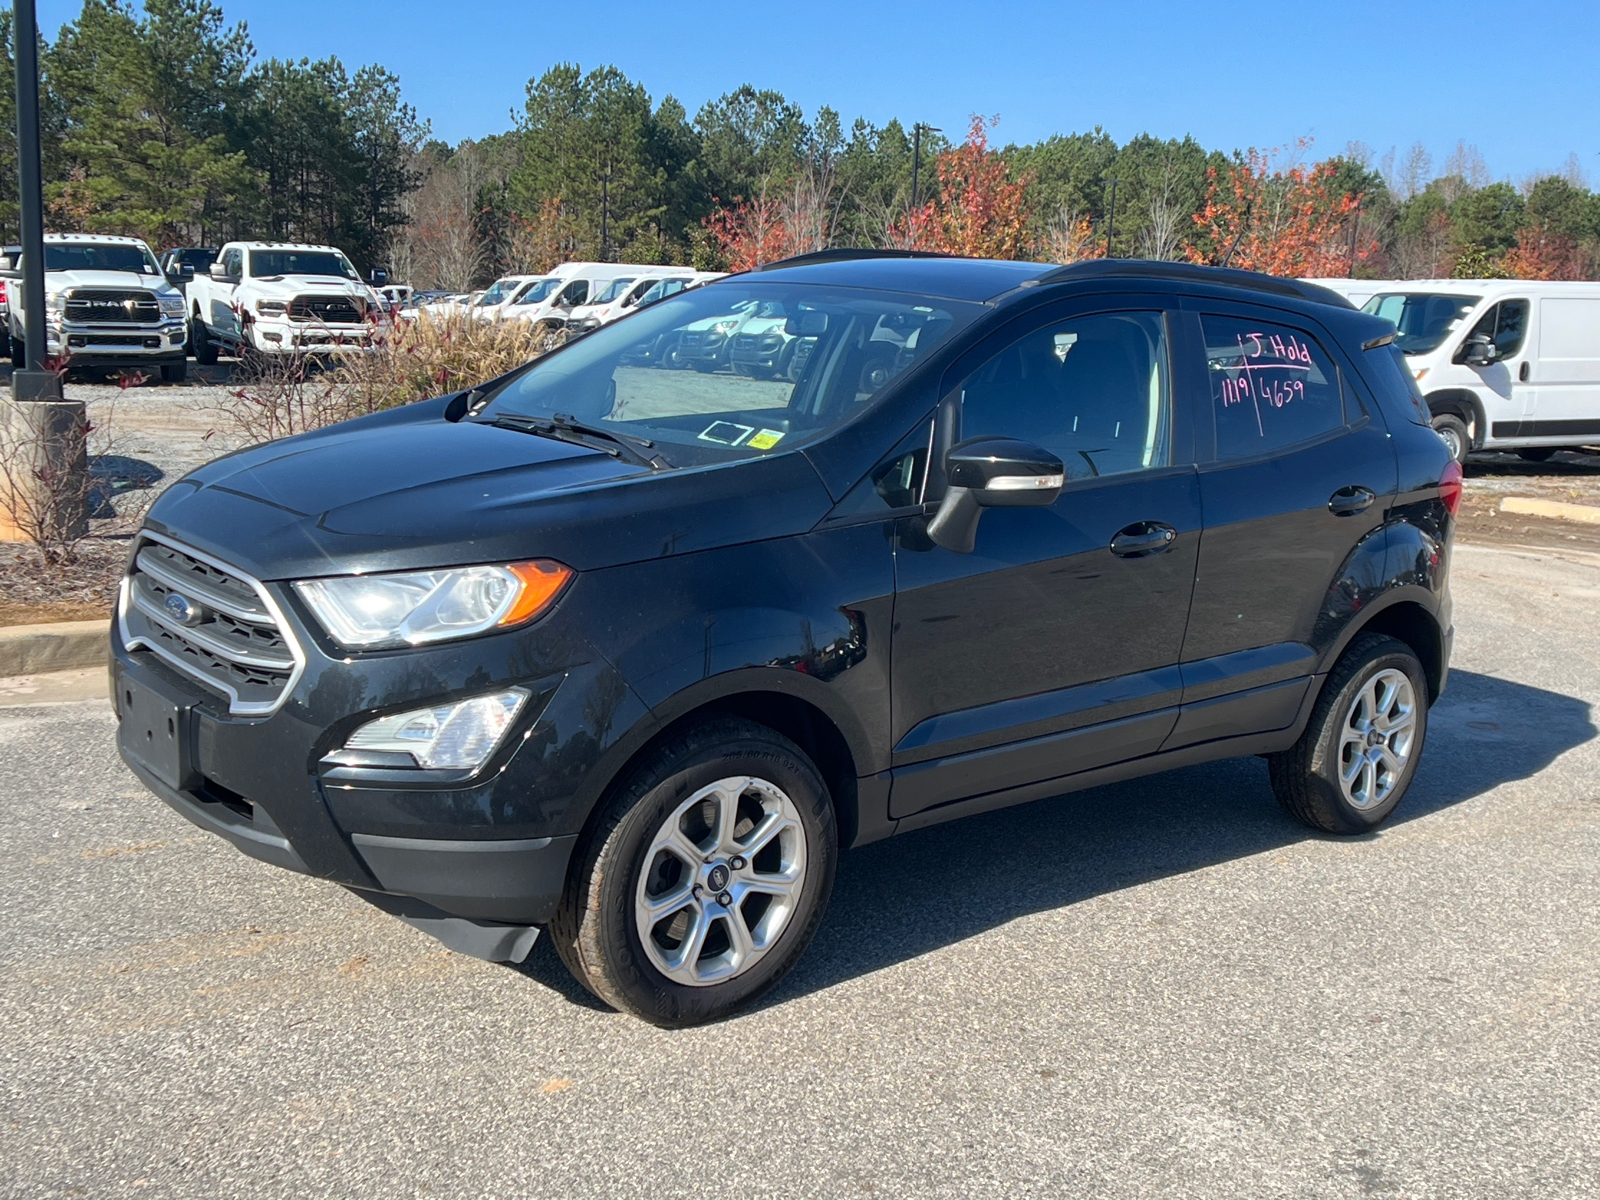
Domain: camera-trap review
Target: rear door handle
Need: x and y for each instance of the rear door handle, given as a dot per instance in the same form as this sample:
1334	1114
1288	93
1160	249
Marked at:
1142	538
1348	501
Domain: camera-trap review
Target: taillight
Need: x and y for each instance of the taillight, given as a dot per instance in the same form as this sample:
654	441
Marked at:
2	291
1450	486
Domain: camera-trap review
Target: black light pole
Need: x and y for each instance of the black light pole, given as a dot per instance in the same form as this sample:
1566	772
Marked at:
1111	215
1355	229
33	383
605	215
916	155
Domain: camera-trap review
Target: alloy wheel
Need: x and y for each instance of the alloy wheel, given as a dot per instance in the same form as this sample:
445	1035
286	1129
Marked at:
1377	737
720	881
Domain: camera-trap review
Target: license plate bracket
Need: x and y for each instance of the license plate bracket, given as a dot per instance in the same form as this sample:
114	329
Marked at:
154	731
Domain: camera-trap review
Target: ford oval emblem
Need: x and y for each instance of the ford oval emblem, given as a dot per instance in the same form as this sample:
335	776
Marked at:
182	609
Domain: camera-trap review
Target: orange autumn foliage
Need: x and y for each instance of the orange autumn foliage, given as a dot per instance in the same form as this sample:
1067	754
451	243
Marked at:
980	209
1541	254
1284	221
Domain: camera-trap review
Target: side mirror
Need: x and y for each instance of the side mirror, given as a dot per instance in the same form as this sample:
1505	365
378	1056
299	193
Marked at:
1480	351
378	276
991	472
186	271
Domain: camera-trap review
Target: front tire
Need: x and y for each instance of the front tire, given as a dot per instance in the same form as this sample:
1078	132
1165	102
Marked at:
1359	751
175	372
1538	454
1454	432
203	348
705	879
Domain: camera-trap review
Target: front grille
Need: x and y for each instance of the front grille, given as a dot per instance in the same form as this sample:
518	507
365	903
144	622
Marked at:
330	310
231	643
128	308
114	339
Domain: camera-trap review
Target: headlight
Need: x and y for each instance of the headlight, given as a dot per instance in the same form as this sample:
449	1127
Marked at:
171	306
367	612
54	302
458	736
270	307
724	327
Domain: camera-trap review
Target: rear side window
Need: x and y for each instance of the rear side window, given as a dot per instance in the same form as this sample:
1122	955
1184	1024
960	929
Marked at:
1389	365
1270	386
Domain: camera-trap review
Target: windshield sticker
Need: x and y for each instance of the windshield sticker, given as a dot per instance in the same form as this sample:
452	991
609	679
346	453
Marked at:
726	433
766	439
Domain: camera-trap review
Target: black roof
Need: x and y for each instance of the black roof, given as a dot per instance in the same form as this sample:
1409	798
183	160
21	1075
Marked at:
984	279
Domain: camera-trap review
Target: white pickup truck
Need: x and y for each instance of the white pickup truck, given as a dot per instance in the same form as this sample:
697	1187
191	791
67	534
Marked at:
106	304
279	298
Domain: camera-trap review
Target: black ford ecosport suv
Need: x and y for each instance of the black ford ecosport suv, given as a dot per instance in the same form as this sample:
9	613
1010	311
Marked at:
628	645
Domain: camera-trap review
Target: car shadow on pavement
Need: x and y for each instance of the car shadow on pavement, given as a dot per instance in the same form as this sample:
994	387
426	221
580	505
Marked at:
897	899
900	898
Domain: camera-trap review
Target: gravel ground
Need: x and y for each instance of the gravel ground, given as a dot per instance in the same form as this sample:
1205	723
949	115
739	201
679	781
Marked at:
1160	988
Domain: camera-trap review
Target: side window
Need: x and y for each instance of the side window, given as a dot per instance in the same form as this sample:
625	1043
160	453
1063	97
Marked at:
896	482
1389	365
1095	391
233	262
1270	386
574	293
1505	325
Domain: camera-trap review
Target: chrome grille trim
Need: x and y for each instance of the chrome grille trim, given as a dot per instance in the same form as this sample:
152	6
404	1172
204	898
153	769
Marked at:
179	646
245	610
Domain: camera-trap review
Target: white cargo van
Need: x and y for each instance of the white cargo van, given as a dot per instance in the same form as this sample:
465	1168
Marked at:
552	306
1357	291
1504	364
626	293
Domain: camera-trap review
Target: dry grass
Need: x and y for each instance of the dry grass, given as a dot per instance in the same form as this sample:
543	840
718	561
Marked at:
284	395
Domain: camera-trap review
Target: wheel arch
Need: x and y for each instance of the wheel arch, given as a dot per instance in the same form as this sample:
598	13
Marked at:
1465	404
1406	619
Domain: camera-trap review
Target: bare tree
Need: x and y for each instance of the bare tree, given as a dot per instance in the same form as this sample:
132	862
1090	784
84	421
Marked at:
1416	169
441	246
1069	236
1464	171
1162	232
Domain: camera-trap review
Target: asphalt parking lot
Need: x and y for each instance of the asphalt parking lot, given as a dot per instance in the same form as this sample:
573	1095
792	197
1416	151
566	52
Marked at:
1164	987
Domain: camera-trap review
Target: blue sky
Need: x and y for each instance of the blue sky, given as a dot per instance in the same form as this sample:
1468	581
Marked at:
1518	80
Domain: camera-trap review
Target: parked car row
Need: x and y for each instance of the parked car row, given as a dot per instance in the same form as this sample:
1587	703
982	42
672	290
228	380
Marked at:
582	296
1502	364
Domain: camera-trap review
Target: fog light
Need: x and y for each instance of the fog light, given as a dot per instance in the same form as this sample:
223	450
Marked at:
458	736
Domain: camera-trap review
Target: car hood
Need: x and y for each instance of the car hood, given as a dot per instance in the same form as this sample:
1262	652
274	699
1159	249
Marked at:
294	285
407	489
58	281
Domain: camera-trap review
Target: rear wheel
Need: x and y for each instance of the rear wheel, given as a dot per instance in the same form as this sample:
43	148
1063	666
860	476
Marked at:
706	878
204	349
1454	432
1359	751
19	354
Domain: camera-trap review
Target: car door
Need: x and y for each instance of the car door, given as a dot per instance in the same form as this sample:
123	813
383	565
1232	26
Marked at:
1505	381
224	313
1294	472
1565	370
1052	647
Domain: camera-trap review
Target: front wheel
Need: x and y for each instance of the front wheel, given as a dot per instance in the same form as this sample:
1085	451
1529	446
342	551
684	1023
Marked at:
200	343
1359	751
1538	454
706	878
19	354
1454	432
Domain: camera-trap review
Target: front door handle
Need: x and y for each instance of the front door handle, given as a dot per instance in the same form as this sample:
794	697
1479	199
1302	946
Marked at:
1523	372
1348	501
1142	538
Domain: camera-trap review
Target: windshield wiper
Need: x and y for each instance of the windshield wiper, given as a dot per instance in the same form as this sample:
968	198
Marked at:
564	428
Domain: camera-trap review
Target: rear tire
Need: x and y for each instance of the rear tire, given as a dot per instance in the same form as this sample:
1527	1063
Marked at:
1454	432
719	851
205	350
1359	752
19	354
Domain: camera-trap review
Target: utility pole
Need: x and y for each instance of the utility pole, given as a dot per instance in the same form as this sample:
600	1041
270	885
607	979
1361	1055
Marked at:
916	156
1111	215
605	214
50	429
1355	229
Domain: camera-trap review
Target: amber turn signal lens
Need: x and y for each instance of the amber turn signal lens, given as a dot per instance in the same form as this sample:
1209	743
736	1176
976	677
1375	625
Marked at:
542	581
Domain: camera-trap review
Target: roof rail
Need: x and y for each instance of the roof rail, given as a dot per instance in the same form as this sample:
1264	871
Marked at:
1195	273
844	254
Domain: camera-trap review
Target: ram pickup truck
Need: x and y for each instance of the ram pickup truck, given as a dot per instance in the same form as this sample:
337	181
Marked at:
279	298
107	304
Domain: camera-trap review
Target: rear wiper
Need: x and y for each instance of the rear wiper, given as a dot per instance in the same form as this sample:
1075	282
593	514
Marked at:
565	428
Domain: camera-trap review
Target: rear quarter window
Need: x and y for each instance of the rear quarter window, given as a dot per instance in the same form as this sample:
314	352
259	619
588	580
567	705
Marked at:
1271	386
1389	367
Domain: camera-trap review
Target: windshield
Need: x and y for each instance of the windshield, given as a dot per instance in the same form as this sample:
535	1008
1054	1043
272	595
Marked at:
266	263
737	370
1422	320
538	291
99	256
614	289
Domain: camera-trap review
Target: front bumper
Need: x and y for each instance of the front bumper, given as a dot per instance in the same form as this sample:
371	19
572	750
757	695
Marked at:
119	345
286	337
490	848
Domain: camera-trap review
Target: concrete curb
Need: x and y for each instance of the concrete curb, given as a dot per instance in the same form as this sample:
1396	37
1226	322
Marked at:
1586	514
61	646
